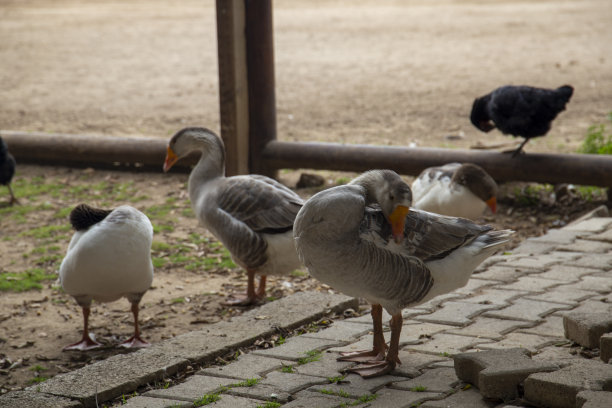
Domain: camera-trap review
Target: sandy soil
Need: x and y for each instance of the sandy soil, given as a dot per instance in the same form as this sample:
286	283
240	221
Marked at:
404	72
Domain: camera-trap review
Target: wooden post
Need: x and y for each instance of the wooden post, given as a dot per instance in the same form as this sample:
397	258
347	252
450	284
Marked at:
260	71
233	85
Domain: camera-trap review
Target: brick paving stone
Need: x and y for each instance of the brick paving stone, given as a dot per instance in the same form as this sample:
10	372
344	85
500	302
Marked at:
389	397
436	380
262	392
605	236
33	399
310	399
431	305
599	261
456	313
586	328
525	309
597	283
291	382
490	328
355	386
543	261
474	286
469	398
588	246
296	347
194	388
245	367
534	248
497	260
341	331
562	294
416	361
557	236
366	318
566	273
531	342
559	355
589	306
494	296
447	344
559	388
150	402
597	224
326	366
594	399
552	326
500	273
498	373
605	347
531	284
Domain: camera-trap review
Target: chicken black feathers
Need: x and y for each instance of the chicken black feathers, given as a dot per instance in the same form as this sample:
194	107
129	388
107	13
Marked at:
522	111
7	169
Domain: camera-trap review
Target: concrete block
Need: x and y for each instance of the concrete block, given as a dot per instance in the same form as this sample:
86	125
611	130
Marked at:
469	398
601	261
557	236
110	378
567	294
486	327
341	331
245	367
539	262
605	347
389	397
565	273
447	344
528	310
456	313
435	380
588	246
326	366
605	236
596	283
296	348
597	224
534	248
34	399
150	402
263	392
531	342
495	296
354	386
498	273
291	382
531	284
586	328
498	373
552	326
560	388
193	389
310	399
594	399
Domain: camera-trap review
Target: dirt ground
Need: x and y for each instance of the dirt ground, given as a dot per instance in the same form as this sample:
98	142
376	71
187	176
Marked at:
396	74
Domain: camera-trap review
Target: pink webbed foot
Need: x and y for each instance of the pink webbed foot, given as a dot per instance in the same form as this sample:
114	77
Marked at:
242	300
134	342
362	356
375	369
86	343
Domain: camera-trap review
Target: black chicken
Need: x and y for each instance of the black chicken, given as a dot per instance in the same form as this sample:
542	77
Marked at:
7	169
522	111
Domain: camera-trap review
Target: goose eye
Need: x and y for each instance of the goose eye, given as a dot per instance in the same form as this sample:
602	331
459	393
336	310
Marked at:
391	197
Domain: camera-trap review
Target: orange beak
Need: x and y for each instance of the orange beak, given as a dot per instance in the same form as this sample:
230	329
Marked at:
171	158
492	203
397	219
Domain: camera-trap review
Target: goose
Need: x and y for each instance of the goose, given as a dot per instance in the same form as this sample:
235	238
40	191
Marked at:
455	189
7	169
252	215
109	257
363	240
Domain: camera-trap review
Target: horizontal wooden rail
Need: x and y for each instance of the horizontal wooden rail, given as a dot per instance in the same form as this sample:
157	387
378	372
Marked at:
148	154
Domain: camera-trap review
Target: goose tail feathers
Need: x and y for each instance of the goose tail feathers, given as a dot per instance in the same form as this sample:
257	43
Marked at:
495	238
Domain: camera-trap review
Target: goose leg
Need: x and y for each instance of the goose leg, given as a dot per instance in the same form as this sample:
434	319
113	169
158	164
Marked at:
379	368
379	346
86	343
261	290
135	341
251	297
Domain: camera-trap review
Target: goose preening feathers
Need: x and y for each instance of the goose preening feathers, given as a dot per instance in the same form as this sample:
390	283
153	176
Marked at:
251	215
7	169
109	257
362	239
523	111
455	189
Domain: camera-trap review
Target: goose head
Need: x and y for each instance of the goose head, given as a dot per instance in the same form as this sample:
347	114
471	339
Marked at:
192	139
479	182
387	189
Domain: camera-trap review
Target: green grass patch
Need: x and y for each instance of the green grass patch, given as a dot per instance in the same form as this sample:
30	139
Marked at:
598	139
269	404
46	231
287	369
246	383
311	356
419	388
20	282
206	399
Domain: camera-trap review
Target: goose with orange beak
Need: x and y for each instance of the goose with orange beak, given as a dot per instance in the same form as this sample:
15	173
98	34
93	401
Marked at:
364	240
455	189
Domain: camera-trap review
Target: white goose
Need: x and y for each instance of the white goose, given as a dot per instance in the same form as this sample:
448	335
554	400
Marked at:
251	215
109	257
455	189
343	236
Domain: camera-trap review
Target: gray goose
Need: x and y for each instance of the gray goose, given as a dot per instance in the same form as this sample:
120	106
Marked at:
252	215
362	239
